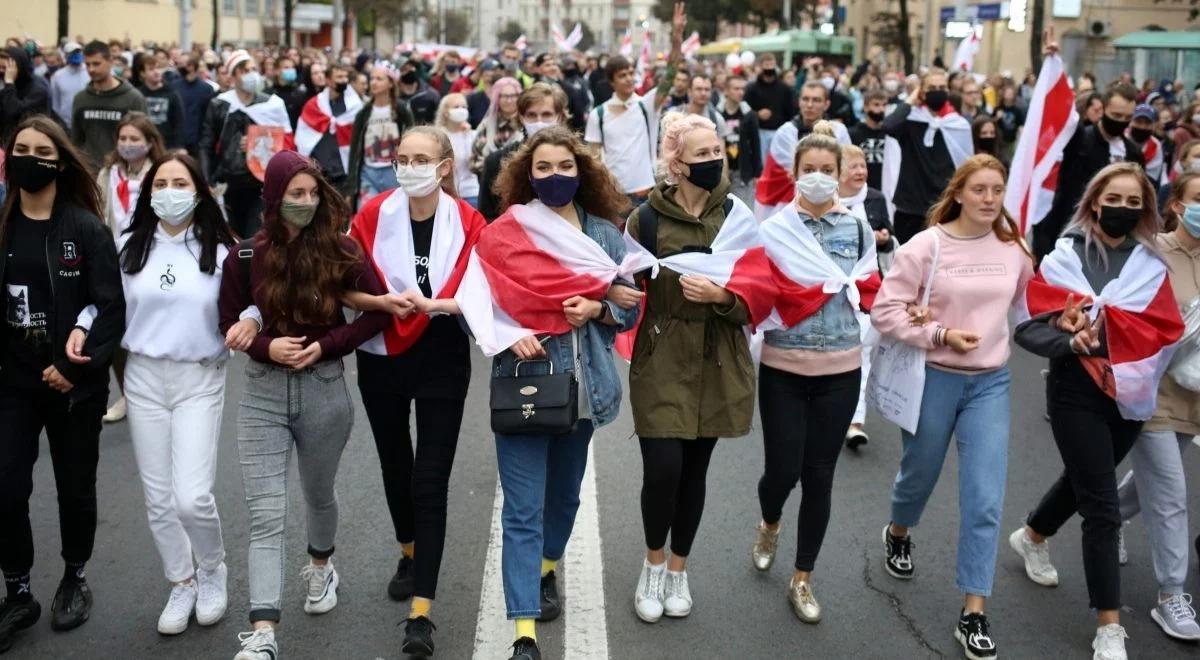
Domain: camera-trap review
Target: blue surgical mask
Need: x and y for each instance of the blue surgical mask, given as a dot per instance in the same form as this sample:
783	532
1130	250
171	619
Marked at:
287	75
75	58
1191	219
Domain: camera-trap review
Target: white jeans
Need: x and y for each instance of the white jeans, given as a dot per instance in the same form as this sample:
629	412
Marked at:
175	420
870	338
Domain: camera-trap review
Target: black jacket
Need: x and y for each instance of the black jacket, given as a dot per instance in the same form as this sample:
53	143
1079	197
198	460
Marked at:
29	95
776	97
404	121
750	148
489	201
164	106
877	215
1086	154
578	100
222	158
423	103
294	97
83	271
924	171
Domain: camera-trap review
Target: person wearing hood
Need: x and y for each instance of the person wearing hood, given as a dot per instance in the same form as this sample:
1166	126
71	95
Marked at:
67	82
298	268
421	98
23	93
101	105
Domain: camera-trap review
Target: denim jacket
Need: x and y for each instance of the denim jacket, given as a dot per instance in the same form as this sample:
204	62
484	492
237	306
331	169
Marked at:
596	339
834	327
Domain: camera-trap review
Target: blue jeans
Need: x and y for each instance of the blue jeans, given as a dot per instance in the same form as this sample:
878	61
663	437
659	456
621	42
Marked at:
473	201
375	180
975	409
540	476
764	137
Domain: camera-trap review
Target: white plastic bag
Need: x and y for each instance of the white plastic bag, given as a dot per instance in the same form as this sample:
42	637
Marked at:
1185	365
896	383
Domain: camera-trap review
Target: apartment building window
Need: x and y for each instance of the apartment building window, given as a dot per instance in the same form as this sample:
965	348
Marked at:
252	7
229	6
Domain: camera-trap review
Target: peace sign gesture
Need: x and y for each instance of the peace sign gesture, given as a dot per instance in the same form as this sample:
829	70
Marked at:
1049	45
1073	318
1087	340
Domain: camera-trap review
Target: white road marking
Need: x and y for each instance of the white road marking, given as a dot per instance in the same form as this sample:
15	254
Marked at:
582	587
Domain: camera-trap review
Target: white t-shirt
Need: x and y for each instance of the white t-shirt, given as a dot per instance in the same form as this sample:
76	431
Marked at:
1116	150
629	146
381	137
464	179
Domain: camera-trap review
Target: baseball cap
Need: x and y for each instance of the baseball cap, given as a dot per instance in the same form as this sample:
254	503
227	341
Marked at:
489	65
1144	111
71	47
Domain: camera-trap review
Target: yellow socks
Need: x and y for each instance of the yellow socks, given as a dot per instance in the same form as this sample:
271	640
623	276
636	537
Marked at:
526	628
420	607
407	548
548	565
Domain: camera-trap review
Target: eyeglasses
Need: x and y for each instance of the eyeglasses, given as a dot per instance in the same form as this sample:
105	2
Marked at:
419	161
509	97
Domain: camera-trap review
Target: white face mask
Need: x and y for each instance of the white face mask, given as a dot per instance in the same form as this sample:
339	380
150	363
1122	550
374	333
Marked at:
172	205
418	181
891	86
1196	119
250	82
532	127
816	187
1194	165
457	115
828	82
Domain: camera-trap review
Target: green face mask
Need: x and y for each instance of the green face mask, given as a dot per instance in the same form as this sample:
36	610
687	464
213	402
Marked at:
297	214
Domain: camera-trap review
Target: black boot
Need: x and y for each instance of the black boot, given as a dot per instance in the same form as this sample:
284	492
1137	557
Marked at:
16	616
72	605
551	608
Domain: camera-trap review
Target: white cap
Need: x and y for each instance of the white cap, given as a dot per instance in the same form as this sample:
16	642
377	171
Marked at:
71	47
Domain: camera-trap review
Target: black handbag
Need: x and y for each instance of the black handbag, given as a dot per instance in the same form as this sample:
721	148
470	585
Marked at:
534	405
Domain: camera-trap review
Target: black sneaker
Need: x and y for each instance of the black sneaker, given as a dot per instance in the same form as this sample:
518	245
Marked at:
551	608
15	617
525	649
418	637
401	585
71	607
898	554
972	633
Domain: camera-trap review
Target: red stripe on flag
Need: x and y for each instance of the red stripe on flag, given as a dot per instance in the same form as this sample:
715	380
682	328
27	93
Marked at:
1041	297
775	185
1136	336
750	280
344	131
1056	111
312	116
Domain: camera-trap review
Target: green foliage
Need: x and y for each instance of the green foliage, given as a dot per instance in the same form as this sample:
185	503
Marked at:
510	32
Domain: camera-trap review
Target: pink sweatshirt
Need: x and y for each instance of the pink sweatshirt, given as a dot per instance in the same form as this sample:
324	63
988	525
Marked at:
977	281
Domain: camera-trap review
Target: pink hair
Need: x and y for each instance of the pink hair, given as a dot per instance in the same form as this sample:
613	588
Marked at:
674	131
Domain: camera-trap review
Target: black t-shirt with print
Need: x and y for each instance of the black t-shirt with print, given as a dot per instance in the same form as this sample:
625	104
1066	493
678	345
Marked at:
28	298
871	141
422	233
733	122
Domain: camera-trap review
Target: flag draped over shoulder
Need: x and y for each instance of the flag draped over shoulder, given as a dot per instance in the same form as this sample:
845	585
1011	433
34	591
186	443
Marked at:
956	133
316	119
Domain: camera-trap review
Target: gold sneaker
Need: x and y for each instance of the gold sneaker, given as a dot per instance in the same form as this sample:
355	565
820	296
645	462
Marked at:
762	553
804	603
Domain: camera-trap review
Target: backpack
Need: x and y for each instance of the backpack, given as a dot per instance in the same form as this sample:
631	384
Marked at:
648	228
245	253
645	116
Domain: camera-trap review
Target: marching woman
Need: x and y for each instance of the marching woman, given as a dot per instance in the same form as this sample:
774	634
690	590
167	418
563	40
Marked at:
139	144
534	296
501	124
418	238
1105	364
375	135
171	258
56	258
978	268
298	268
691	377
1156	487
809	379
864	203
452	118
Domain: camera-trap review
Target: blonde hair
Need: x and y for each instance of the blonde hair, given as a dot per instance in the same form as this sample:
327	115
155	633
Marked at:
675	128
1085	219
852	151
444	147
821	139
443	111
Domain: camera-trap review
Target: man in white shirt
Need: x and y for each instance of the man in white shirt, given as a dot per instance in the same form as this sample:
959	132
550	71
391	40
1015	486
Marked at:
624	130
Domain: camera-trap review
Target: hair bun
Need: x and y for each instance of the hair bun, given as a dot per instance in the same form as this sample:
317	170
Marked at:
824	127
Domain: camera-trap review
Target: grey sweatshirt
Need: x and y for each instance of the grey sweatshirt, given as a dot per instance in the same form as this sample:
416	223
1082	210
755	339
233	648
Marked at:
95	115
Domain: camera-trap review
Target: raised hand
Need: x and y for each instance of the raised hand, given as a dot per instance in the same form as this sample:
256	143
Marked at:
1049	45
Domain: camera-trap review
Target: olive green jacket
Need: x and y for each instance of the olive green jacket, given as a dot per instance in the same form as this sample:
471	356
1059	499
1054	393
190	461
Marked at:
691	375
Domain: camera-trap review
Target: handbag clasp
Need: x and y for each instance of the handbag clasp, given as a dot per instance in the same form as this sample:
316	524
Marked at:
527	410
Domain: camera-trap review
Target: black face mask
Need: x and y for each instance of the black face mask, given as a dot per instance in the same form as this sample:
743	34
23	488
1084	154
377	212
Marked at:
409	77
875	116
1140	135
1113	127
341	87
987	144
769	74
936	99
1118	221
183	71
706	174
30	173
452	68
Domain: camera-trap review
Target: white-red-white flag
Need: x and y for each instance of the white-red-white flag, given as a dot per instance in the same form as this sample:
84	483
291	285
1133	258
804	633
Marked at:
968	48
521	42
1049	124
574	37
645	55
690	45
776	188
316	119
627	43
1141	321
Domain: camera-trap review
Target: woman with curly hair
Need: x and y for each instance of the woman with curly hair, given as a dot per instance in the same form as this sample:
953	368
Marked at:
300	268
555	192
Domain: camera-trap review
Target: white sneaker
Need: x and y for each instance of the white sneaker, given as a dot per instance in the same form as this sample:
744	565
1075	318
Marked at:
1037	558
117	412
1122	553
678	600
175	616
258	644
322	587
213	597
1109	643
648	601
1177	618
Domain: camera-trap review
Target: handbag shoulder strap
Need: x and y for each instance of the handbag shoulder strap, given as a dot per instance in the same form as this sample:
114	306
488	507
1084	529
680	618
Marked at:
937	253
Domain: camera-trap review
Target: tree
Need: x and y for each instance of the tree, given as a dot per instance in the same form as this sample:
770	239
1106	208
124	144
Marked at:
374	13
705	16
1036	25
288	7
588	39
510	32
1193	11
217	23
64	13
891	33
456	30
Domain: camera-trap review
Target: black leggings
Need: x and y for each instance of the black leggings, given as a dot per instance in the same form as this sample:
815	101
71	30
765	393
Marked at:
1092	438
804	421
416	488
673	476
74	435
